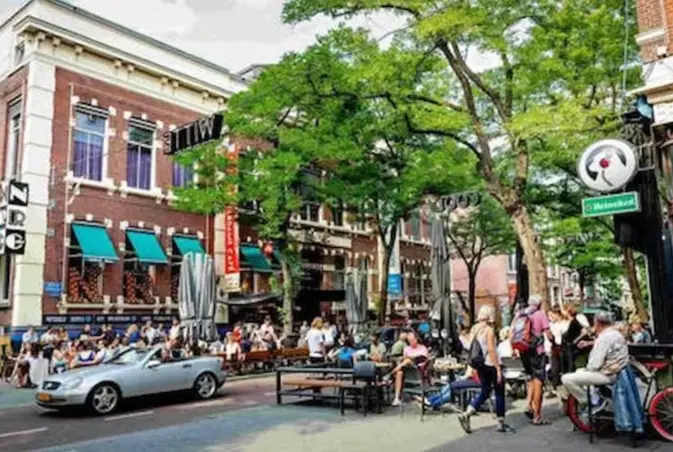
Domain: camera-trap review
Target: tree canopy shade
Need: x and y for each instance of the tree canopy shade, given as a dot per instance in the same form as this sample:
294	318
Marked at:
319	113
557	73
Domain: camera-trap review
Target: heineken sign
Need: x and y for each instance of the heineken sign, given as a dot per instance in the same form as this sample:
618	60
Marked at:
13	218
611	205
195	133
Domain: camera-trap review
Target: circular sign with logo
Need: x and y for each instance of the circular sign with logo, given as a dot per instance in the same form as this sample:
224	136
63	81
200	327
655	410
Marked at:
608	165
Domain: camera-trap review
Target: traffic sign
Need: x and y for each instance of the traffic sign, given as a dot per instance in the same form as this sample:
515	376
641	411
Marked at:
611	205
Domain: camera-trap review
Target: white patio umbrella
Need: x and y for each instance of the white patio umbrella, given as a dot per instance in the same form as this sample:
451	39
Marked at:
187	297
440	278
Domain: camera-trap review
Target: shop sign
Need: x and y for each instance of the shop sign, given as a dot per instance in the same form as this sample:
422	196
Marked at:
608	165
53	288
195	133
103	319
395	268
319	267
611	205
13	218
232	267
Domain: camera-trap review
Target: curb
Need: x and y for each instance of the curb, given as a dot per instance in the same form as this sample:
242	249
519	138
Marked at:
250	377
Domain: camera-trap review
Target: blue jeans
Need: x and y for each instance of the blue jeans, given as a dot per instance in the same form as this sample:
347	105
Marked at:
444	395
489	381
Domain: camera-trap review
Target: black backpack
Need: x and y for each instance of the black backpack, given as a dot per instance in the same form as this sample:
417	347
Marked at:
476	357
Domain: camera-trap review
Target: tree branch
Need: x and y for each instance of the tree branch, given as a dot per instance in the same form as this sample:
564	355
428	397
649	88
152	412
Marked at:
443	133
436	102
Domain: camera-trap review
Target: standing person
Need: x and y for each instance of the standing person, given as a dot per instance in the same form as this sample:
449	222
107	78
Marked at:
578	326
490	372
315	338
267	333
533	320
558	325
330	334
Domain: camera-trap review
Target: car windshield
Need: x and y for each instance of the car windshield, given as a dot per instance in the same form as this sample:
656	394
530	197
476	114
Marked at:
130	356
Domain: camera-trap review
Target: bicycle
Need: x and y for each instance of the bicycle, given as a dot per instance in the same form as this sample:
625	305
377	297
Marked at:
657	402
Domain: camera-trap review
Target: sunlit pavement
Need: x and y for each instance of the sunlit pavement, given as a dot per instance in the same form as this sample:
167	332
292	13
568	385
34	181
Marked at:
245	418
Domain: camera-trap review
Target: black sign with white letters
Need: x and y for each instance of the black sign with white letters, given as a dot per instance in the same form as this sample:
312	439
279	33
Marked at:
195	133
13	218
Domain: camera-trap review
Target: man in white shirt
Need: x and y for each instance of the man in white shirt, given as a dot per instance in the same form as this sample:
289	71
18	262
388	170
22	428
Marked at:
175	330
609	355
30	336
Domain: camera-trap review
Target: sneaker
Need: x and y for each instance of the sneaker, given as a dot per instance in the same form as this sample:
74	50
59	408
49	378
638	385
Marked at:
464	420
396	402
504	428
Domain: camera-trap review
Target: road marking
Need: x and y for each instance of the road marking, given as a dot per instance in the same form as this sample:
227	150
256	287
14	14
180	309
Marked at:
129	415
23	432
207	403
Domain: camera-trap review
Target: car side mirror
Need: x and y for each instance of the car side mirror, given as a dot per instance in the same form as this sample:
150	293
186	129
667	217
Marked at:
153	364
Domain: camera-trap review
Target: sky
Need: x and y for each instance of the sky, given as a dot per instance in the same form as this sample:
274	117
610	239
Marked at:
231	33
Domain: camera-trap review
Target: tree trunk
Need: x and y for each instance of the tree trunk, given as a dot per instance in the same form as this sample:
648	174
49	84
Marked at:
288	295
472	293
383	289
634	285
537	268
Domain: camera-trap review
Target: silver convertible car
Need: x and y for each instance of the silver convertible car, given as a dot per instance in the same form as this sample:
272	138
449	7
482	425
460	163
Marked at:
131	373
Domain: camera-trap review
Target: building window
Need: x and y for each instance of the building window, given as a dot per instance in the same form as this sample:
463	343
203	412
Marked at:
89	145
416	227
5	277
13	136
339	273
338	214
183	175
139	157
310	212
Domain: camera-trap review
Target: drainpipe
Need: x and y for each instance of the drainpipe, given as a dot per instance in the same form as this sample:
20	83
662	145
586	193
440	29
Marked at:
66	193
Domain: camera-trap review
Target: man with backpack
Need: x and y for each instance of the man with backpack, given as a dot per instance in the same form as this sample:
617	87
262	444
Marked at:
528	332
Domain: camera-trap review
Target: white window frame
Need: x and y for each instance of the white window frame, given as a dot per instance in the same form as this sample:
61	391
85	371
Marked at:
153	168
103	114
194	175
13	145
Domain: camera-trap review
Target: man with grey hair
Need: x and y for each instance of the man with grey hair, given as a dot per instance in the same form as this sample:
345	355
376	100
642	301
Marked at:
609	355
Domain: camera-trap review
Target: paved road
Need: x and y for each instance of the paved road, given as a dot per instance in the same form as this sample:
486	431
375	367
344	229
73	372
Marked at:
245	419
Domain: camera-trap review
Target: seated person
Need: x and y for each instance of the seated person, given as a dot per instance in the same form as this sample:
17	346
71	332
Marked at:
377	350
27	363
415	354
85	356
233	349
609	355
469	380
397	350
345	355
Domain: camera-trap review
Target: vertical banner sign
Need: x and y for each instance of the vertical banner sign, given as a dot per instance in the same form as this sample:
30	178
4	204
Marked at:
13	218
395	269
232	268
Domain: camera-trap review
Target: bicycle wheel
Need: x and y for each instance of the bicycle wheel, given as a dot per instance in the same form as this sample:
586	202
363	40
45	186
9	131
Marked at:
579	416
661	413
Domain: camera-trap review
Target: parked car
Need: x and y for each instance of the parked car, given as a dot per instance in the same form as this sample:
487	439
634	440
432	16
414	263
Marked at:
132	373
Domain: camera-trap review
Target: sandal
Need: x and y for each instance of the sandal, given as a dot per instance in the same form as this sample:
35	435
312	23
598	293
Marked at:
529	414
539	422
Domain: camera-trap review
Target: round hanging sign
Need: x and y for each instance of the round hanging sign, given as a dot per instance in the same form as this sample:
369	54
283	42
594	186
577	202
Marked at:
608	165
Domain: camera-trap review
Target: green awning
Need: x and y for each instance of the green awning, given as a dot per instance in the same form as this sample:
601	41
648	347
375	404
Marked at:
276	257
188	245
253	256
147	247
94	242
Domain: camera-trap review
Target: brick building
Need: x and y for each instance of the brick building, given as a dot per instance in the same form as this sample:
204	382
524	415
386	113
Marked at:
84	103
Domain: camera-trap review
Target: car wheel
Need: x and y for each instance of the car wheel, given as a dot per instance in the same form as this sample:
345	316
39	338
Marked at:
205	386
103	399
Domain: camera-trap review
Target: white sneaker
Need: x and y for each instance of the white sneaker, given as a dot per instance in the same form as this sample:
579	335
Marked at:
396	402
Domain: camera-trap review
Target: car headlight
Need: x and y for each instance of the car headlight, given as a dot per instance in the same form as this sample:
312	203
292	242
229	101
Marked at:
72	384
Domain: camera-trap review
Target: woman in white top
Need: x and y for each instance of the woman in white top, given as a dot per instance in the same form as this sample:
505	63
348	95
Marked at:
233	349
315	338
490	372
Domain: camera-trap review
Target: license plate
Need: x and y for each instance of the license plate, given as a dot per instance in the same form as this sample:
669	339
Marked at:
43	397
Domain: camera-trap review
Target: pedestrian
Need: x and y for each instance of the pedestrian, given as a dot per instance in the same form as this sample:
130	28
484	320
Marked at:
489	369
529	330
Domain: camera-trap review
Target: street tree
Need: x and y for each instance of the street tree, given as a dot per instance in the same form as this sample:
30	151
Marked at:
554	65
477	233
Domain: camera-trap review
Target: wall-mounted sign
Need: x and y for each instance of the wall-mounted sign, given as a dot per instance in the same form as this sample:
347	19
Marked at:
448	204
395	268
611	205
195	133
13	218
232	264
608	165
53	288
104	319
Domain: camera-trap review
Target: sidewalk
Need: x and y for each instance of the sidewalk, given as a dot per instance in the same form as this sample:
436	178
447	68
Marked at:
11	397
